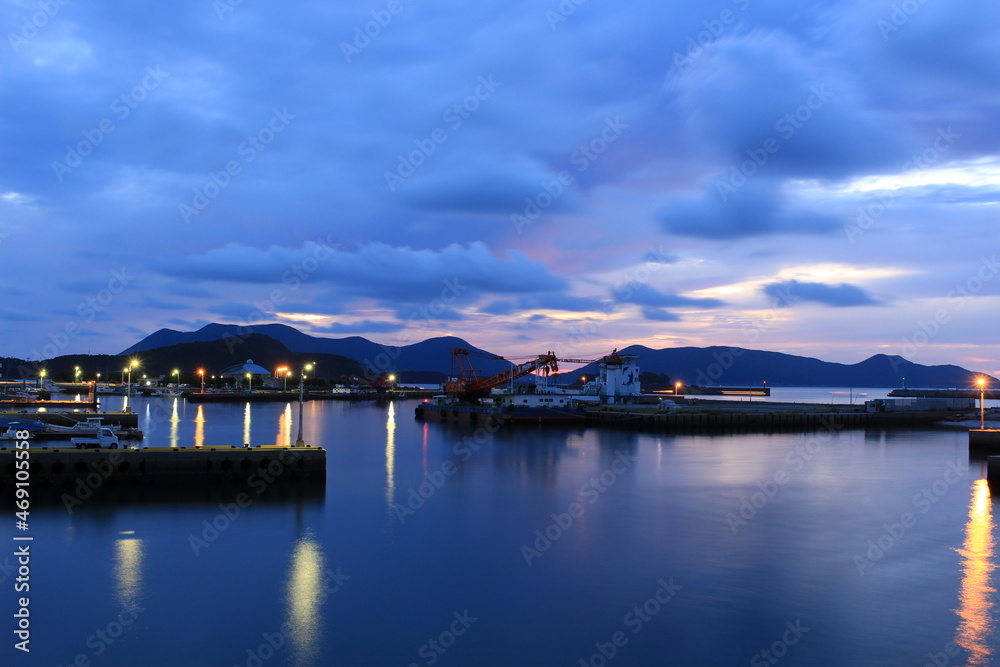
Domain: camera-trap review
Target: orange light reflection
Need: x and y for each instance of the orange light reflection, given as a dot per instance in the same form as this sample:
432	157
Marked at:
976	593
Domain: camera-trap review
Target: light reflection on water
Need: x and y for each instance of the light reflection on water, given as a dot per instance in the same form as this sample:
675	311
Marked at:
284	437
246	424
129	554
304	599
976	595
390	456
199	426
175	420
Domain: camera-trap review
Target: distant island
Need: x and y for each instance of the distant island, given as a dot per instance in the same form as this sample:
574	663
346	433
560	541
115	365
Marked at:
216	346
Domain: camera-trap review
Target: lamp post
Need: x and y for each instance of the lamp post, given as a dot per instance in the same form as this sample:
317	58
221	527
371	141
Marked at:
284	371
128	390
298	441
677	388
249	382
177	377
982	395
76	374
201	372
41	378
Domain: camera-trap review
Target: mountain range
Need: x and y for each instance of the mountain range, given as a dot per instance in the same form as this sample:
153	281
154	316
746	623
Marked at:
704	366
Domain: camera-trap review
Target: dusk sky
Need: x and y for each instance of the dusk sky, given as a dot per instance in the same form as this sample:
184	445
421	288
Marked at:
815	178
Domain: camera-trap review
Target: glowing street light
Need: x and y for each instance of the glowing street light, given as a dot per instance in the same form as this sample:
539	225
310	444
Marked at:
41	378
133	364
677	388
283	369
249	382
298	441
76	374
201	372
982	395
177	377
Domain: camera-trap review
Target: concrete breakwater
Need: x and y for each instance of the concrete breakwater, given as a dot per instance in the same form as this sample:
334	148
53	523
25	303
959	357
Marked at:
71	470
756	419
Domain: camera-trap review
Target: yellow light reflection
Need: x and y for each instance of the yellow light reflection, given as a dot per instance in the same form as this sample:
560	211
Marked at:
246	425
306	595
390	456
199	427
284	438
128	570
175	421
976	594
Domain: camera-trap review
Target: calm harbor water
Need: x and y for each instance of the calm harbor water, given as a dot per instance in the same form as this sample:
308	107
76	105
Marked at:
443	545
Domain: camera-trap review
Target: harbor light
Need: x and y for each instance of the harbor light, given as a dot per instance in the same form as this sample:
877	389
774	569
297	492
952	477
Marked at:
298	441
249	381
284	370
982	396
76	374
177	377
677	388
201	372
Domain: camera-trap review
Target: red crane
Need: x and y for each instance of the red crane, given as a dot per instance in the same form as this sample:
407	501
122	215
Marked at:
466	383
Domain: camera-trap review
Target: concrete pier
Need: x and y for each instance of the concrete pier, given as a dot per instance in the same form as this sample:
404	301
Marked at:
64	468
984	439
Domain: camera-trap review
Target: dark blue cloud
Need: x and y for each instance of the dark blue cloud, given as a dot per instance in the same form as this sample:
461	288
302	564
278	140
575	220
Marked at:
788	293
362	327
659	315
644	295
757	208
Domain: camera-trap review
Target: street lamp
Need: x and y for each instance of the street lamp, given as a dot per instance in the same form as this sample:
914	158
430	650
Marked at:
201	372
298	441
284	370
677	388
982	395
134	364
249	382
76	374
41	378
177	377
